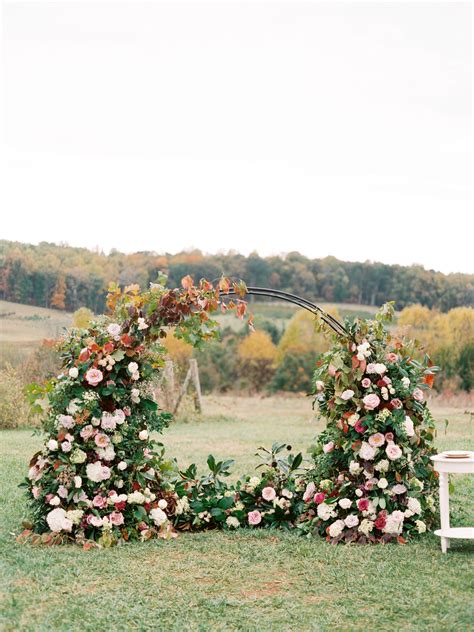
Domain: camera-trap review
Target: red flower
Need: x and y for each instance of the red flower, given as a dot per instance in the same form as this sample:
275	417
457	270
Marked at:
84	355
389	437
396	403
147	506
126	340
363	504
136	486
381	520
359	426
120	506
319	498
108	347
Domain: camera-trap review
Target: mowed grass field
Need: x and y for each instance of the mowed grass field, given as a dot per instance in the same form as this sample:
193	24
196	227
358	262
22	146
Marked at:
247	580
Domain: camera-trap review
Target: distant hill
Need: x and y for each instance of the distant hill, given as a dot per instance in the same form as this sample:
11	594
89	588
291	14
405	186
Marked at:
66	278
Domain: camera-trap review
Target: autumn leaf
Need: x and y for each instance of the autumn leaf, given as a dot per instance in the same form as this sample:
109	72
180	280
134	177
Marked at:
429	379
187	282
250	321
224	284
241	309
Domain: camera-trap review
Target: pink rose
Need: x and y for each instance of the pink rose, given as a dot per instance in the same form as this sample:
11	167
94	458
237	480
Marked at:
418	395
391	357
309	492
371	368
393	451
371	401
99	501
319	498
376	440
359	426
396	403
389	437
328	447
127	411
36	491
347	394
268	493
94	376
116	518
254	518
332	370
370	484
101	440
87	432
366	382
363	504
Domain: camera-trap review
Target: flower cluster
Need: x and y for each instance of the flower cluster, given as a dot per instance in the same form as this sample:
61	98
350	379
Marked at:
99	476
273	499
372	479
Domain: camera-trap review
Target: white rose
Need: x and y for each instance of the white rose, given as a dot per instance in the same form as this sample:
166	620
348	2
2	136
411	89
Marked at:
414	505
406	382
113	329
354	467
366	452
345	503
421	526
233	522
351	521
57	520
347	394
55	501
52	444
132	367
122	466
143	435
73	372
162	504
383	483
319	385
97	472
409	426
380	368
336	528
77	482
158	516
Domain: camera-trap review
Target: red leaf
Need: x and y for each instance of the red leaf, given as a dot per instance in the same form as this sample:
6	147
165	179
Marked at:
429	379
355	362
187	282
241	309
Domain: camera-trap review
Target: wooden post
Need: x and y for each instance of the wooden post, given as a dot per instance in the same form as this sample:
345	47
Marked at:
193	366
191	376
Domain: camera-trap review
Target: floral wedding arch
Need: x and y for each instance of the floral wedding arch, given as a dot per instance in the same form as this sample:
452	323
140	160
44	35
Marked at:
101	479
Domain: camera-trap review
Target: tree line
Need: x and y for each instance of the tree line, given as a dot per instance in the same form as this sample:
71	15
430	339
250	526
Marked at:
66	278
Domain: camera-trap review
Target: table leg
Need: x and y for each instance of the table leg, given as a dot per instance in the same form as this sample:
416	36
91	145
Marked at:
444	507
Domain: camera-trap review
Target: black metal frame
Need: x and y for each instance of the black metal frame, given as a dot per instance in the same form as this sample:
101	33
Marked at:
332	322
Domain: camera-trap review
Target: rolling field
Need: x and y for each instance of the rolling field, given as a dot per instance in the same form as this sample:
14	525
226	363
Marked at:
248	580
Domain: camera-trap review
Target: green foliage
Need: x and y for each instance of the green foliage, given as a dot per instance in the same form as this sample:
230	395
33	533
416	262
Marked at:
68	278
294	373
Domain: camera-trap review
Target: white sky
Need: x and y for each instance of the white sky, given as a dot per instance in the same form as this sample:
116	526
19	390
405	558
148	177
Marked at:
328	128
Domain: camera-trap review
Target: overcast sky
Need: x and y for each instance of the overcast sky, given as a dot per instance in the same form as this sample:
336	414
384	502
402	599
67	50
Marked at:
330	128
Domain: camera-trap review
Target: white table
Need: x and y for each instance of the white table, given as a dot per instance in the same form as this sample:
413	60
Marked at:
446	466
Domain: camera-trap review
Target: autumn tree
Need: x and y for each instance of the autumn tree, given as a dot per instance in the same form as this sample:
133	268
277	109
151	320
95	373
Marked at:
257	359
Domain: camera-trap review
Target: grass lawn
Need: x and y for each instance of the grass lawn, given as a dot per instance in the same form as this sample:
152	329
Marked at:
259	580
